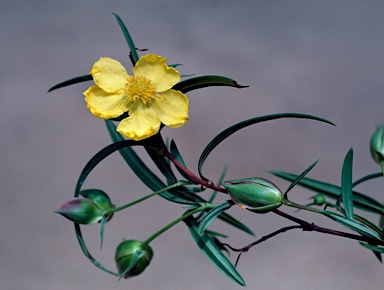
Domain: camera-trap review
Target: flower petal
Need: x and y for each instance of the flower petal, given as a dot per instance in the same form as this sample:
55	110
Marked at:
142	123
154	68
172	108
109	74
105	105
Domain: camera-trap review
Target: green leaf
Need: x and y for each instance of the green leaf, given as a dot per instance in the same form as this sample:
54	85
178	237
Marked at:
102	225
103	153
373	247
346	185
213	253
212	215
215	234
352	225
360	200
234	222
86	252
229	131
71	82
377	251
368	223
128	38
177	195
151	180
205	81
162	164
300	177
175	152
366	178
132	263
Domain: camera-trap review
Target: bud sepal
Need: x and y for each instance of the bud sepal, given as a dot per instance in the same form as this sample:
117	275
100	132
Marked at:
132	258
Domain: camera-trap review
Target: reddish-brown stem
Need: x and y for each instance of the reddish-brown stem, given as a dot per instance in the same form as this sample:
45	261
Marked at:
190	174
312	227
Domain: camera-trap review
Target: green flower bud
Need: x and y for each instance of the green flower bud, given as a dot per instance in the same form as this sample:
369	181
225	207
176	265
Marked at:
126	251
377	145
81	211
318	199
100	198
256	194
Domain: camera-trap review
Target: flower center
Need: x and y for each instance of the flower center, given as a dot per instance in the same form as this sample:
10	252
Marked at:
140	89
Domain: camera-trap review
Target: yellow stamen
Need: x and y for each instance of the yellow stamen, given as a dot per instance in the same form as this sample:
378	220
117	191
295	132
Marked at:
140	89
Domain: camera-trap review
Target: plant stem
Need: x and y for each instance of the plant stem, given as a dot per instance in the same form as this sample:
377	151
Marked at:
191	175
312	227
179	183
171	224
246	248
299	206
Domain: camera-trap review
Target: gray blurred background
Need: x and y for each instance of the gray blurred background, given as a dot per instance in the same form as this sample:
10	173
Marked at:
317	57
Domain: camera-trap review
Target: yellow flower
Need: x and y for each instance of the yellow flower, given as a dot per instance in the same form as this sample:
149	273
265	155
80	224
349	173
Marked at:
146	96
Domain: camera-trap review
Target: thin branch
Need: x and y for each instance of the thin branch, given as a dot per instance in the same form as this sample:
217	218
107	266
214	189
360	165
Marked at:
312	227
246	248
195	178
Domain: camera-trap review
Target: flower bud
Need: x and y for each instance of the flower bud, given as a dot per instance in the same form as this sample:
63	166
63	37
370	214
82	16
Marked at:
318	199
124	253
100	198
377	145
81	211
256	194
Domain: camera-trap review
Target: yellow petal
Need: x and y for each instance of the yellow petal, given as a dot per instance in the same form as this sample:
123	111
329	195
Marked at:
154	68
172	108
142	123
105	105
109	74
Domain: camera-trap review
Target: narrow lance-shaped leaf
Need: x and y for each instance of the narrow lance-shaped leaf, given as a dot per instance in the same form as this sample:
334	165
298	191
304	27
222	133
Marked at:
352	225
175	152
300	177
205	81
128	38
377	251
367	178
132	263
86	252
146	175
99	157
361	201
207	245
155	184
229	131
373	248
72	81
206	221
346	185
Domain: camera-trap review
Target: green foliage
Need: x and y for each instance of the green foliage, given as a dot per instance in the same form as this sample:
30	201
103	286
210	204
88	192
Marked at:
213	253
257	194
206	81
360	200
346	185
229	131
128	38
72	81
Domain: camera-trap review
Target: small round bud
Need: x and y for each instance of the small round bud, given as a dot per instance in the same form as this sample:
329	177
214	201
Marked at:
81	211
124	254
100	198
377	145
318	199
256	194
